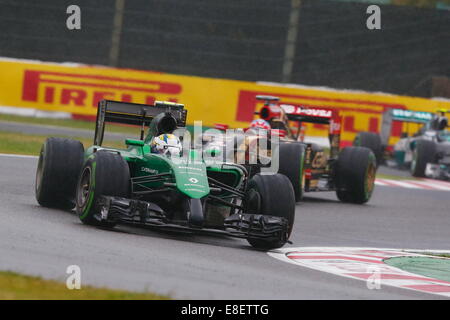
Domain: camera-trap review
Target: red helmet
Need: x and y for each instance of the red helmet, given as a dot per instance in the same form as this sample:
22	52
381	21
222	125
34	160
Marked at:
260	123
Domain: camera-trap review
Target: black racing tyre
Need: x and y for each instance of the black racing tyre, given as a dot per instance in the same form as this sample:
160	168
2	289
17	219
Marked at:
372	141
355	174
291	165
272	195
59	165
104	174
424	152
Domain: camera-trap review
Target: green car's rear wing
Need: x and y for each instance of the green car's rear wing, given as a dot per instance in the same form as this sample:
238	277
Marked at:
404	116
134	114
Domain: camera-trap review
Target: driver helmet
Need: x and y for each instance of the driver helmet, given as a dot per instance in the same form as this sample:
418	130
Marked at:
260	124
166	144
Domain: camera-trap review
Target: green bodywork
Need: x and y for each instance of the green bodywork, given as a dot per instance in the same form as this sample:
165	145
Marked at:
189	173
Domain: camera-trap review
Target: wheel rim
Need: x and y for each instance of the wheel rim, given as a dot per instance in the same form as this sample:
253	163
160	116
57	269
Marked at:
302	174
371	172
84	188
39	171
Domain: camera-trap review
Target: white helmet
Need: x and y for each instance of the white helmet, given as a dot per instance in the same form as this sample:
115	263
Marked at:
166	144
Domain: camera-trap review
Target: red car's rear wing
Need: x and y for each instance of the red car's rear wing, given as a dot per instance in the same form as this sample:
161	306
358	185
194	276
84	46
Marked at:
328	117
296	113
313	115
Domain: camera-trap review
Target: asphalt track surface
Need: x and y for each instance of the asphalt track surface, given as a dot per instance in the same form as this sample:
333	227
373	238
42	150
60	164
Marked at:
40	241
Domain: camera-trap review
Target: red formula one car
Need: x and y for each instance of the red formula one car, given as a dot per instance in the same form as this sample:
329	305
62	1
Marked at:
349	171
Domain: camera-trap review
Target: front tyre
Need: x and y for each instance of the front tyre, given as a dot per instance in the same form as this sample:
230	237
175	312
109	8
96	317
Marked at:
104	174
271	195
355	174
59	165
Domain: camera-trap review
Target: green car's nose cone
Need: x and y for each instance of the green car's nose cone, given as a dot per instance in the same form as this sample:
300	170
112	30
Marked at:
190	175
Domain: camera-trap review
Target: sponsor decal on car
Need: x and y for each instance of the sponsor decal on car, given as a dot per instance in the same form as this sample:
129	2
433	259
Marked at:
193	180
311	112
148	170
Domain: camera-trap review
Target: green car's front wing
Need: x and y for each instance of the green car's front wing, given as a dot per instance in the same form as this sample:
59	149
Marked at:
148	214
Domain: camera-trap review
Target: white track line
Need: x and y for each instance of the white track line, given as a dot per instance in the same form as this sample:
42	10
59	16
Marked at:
17	156
439	182
380	183
426	184
398	183
433	185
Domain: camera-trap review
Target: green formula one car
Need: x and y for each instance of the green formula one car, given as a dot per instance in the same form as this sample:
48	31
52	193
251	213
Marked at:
168	191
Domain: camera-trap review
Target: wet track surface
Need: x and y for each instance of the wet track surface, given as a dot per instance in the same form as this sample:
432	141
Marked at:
41	241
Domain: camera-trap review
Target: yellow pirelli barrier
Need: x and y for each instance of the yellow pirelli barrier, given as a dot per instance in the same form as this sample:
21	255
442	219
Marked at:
76	89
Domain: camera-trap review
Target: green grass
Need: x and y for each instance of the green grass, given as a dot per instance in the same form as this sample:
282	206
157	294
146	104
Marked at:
14	286
19	143
69	123
393	177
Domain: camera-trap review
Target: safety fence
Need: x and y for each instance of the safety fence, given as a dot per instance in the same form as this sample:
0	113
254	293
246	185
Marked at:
309	42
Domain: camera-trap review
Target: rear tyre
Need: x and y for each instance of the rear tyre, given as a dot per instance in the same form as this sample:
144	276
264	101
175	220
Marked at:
59	165
291	165
423	153
104	174
372	141
271	195
355	175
